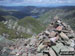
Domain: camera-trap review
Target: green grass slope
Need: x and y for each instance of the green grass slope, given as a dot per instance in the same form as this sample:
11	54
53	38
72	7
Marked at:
32	23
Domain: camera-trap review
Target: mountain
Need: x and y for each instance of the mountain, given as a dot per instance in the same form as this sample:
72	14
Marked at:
18	25
21	11
65	13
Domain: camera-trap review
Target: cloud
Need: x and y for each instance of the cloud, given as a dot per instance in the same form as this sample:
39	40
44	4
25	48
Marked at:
39	1
24	2
50	1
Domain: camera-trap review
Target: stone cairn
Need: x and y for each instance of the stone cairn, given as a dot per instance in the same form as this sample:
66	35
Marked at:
57	38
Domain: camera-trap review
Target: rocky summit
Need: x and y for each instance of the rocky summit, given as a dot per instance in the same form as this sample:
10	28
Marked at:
56	40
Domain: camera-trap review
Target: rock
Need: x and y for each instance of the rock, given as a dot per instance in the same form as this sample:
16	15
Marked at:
40	47
39	54
30	54
64	31
52	34
33	41
5	22
64	36
25	54
51	52
66	48
64	24
59	28
50	27
54	39
46	53
57	47
71	35
47	32
72	44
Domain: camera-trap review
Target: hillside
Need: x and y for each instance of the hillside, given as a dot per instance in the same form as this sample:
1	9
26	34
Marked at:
32	23
23	28
8	17
64	13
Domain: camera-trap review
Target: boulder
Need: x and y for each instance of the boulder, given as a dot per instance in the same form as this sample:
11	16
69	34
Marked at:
66	48
59	28
64	36
52	34
51	52
40	47
57	47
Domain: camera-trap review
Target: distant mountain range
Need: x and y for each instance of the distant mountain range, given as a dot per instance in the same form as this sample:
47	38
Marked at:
21	11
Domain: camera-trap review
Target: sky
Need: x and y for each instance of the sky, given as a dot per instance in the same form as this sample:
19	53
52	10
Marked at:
37	2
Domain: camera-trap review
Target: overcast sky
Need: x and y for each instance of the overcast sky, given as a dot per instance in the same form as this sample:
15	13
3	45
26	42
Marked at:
37	2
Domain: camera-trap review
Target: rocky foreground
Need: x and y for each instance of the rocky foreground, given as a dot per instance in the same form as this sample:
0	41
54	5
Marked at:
57	38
